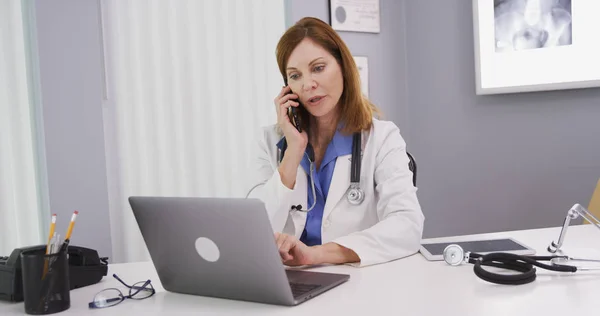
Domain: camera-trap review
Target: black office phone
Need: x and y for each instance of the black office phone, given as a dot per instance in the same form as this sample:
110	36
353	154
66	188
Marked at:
85	268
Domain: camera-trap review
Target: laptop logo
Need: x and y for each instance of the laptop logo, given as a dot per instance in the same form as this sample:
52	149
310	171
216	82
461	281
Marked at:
207	249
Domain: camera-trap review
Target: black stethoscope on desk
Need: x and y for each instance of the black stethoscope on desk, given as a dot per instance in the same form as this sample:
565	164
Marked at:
355	195
455	255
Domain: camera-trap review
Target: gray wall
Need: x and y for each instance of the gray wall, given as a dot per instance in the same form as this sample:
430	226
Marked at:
491	163
71	82
485	163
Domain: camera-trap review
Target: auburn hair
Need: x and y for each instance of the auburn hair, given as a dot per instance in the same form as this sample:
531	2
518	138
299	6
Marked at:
356	111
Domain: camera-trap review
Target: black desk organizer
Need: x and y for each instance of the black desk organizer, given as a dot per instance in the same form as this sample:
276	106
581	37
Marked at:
85	268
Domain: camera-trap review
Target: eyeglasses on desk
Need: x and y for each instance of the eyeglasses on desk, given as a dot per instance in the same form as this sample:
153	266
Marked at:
113	296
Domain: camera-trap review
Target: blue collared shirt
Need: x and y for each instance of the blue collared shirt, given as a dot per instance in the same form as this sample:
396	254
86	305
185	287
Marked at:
340	145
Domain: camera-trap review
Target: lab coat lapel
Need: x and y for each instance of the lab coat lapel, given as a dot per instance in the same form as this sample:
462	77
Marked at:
339	183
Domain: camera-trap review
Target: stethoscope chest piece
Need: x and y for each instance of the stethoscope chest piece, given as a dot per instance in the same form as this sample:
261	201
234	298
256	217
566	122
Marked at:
355	194
454	255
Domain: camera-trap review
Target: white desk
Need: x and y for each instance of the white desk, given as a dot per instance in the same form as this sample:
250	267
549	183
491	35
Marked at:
410	286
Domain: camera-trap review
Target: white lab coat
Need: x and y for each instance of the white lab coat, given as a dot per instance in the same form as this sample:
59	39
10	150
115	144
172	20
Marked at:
388	224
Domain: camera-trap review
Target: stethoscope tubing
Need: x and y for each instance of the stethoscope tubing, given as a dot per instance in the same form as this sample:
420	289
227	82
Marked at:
355	194
523	264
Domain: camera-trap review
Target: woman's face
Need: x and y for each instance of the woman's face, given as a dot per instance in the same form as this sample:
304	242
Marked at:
316	77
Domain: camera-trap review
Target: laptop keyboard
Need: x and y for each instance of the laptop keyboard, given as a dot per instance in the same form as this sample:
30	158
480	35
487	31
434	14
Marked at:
300	288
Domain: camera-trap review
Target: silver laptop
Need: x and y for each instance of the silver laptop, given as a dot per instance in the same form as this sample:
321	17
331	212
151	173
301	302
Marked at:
222	247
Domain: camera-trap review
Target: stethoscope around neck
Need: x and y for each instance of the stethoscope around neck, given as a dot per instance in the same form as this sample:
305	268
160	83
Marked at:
355	194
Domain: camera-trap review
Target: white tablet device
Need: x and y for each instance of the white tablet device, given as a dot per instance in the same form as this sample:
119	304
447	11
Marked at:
433	250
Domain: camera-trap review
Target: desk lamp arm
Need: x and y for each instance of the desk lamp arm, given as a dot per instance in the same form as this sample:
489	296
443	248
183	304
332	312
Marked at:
575	211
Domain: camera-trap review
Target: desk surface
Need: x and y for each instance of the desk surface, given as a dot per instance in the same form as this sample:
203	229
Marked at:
410	286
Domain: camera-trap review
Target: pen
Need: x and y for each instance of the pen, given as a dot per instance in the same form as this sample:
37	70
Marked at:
56	244
49	250
52	244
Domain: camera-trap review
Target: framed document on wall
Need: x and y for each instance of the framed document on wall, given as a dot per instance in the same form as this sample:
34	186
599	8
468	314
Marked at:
536	45
355	15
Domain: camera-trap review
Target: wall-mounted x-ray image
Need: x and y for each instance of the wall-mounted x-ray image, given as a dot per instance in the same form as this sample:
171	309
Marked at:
520	25
536	45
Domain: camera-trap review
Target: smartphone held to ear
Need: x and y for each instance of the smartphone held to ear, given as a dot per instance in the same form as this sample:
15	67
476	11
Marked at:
295	116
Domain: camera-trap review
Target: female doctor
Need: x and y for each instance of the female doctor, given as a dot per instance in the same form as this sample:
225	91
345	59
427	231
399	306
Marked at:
304	178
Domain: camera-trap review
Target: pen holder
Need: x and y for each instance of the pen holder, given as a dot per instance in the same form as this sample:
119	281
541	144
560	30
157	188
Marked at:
46	288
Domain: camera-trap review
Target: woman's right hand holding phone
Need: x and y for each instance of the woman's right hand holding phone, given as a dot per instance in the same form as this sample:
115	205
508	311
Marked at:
296	141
